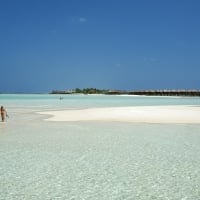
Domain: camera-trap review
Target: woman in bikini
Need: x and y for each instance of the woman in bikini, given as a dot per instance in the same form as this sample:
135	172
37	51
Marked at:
3	113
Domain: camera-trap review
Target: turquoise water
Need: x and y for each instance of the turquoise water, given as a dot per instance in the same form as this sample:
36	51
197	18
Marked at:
98	160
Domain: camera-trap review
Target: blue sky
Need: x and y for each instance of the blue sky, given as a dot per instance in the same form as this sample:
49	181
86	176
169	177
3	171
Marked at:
107	44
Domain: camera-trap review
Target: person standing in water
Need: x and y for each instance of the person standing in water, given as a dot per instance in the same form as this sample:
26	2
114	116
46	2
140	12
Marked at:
3	113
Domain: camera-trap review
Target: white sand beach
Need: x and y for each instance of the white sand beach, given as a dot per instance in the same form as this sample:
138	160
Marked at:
140	114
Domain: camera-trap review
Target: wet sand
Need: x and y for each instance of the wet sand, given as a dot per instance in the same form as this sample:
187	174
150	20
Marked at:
138	114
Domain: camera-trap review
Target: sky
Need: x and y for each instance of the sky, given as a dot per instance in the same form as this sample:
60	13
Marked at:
50	45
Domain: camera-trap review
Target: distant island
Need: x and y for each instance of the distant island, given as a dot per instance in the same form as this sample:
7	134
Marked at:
134	92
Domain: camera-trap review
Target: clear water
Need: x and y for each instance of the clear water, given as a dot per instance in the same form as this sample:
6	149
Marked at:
98	160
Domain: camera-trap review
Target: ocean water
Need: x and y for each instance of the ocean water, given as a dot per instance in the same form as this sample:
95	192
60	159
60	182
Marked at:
96	160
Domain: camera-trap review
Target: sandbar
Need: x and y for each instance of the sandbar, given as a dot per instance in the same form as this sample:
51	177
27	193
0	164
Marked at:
138	114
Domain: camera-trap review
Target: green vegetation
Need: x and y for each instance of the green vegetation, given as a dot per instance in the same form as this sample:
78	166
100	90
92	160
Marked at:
140	92
91	91
81	91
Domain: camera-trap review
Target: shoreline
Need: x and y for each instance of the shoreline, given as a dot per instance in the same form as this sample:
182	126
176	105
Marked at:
185	114
152	92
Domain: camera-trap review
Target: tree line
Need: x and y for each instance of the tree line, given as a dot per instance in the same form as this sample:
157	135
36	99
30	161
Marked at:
137	92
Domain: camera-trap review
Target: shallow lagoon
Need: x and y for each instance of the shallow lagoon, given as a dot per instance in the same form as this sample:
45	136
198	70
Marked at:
98	160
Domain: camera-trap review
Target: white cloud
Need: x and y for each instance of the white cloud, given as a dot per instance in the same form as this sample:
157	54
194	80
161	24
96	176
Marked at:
118	65
151	60
82	19
76	20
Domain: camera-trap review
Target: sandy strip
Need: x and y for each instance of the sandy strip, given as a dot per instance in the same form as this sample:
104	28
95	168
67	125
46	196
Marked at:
144	114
